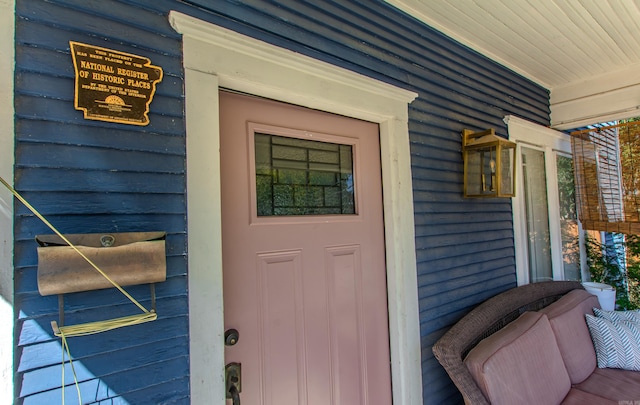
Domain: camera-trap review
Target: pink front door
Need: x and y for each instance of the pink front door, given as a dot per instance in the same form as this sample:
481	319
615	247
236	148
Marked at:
303	254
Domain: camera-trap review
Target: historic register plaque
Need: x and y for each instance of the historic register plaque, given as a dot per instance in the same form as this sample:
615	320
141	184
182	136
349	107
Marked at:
113	86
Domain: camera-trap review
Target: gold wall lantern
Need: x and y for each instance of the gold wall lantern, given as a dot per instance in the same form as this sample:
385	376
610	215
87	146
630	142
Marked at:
489	164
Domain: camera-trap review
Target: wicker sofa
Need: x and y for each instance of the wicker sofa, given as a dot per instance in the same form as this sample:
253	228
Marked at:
531	345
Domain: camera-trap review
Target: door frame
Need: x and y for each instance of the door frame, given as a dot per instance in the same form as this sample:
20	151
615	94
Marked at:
214	58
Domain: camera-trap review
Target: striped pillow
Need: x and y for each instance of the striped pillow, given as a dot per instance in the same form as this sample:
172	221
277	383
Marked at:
617	344
616	316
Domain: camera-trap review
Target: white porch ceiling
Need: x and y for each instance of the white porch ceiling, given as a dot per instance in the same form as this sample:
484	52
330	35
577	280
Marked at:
586	52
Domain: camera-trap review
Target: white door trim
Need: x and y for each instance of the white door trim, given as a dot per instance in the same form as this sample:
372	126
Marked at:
215	57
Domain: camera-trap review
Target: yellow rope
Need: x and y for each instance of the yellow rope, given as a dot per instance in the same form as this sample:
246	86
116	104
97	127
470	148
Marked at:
65	347
91	328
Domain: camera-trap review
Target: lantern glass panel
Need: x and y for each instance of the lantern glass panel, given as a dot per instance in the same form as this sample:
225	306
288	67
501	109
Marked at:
473	172
507	160
481	171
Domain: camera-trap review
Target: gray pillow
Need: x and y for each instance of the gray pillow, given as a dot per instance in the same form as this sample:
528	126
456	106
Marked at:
616	316
617	344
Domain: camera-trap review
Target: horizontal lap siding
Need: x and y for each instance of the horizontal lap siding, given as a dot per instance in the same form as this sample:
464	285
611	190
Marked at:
93	176
465	249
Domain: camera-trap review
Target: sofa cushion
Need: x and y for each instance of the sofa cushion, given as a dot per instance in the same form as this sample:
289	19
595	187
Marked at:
578	397
617	385
617	344
566	317
520	364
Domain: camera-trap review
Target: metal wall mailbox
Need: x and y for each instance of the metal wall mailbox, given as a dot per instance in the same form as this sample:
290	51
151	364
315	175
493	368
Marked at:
127	258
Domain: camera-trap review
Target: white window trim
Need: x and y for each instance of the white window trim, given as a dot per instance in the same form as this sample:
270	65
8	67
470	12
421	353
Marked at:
215	57
551	142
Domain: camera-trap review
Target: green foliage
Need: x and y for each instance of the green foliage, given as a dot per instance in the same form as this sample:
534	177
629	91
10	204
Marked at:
633	270
605	269
566	188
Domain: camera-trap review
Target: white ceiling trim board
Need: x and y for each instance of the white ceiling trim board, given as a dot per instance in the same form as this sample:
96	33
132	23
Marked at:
602	99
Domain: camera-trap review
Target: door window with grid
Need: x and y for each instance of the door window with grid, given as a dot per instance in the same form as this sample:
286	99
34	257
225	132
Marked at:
303	177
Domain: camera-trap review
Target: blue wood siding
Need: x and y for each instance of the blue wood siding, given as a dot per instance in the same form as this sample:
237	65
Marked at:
92	176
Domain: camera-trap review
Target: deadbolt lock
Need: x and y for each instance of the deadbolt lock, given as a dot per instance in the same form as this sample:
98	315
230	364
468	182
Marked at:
233	379
231	337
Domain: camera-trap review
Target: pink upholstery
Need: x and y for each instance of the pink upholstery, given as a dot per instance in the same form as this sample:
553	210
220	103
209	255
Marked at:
520	364
614	384
566	317
577	397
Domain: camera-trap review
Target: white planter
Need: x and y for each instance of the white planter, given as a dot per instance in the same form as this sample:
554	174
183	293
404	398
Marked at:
606	294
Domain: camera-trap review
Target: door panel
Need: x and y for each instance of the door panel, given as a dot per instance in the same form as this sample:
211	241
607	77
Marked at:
345	305
307	293
279	314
